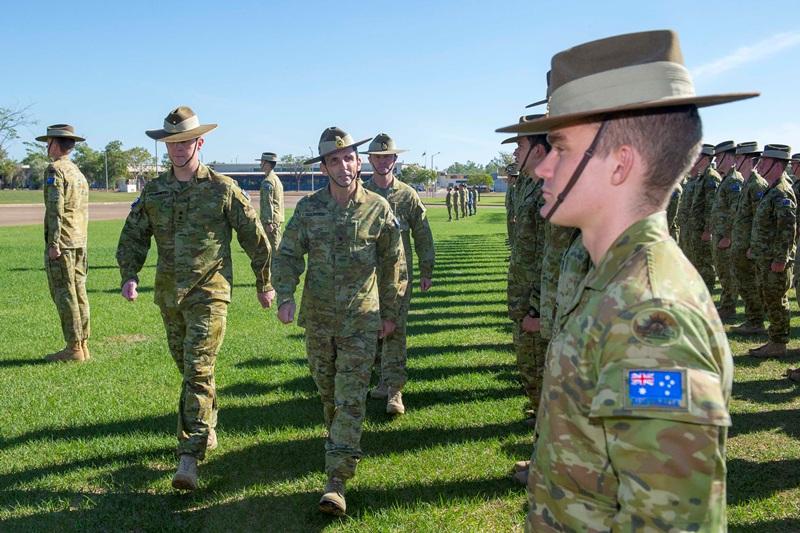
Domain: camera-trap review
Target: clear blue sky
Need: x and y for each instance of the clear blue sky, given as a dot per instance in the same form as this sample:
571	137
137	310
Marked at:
437	76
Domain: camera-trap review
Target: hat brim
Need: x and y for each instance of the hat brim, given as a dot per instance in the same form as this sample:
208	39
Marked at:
513	139
383	152
44	138
320	156
547	123
194	133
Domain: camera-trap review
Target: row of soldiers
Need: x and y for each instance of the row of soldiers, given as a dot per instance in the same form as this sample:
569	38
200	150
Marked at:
463	199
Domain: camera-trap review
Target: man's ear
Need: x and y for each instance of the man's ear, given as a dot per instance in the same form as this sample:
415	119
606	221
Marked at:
624	158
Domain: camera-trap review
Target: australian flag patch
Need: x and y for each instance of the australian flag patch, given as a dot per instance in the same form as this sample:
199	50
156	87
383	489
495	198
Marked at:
51	180
656	388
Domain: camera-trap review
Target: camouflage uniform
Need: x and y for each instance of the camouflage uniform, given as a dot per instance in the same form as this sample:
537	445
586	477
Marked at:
509	200
462	197
744	268
796	191
448	201
356	277
456	203
192	223
683	217
640	364
700	215
772	240
722	212
672	211
272	208
66	220
410	214
557	240
524	285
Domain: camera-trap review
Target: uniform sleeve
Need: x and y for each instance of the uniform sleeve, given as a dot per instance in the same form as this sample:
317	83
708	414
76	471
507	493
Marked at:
733	193
423	240
710	188
392	270
134	241
265	202
786	222
250	234
54	205
289	262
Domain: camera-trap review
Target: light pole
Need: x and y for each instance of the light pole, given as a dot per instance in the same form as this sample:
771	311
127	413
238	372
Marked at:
434	168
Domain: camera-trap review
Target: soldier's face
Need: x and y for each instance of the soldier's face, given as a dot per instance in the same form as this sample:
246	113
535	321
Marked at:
795	167
266	167
770	168
183	152
342	166
382	164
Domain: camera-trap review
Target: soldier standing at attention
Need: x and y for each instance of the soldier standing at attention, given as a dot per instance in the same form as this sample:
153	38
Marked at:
685	224
794	373
722	212
448	201
353	292
410	215
271	200
462	197
191	210
66	221
700	216
633	418
744	269
772	247
456	202
512	173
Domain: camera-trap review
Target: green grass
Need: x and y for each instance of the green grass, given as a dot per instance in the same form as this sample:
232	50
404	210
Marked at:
19	196
488	199
90	447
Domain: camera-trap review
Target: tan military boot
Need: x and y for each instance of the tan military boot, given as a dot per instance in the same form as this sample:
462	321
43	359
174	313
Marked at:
771	349
85	348
380	391
332	501
394	406
186	476
519	466
211	442
71	352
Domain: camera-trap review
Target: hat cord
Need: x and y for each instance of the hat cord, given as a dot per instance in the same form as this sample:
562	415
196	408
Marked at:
188	160
587	155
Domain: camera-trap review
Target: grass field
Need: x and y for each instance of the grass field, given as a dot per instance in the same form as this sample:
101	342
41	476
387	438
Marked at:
90	447
19	196
488	199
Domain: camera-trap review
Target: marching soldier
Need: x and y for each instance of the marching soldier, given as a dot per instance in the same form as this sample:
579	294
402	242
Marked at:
448	201
271	200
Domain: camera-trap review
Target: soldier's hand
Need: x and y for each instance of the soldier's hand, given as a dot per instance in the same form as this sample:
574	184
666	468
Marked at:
531	324
724	243
286	312
129	290
266	298
425	284
706	236
387	328
53	253
777	267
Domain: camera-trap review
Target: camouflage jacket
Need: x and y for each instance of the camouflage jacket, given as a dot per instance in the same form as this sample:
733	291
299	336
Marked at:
774	224
557	240
634	413
410	214
725	203
356	272
672	210
575	265
753	191
525	263
703	200
448	198
683	217
509	201
271	200
66	202
192	224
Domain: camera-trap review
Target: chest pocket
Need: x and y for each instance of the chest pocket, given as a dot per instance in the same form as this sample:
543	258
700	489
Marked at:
160	209
362	243
402	223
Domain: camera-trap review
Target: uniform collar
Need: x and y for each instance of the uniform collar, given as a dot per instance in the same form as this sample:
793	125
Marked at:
637	237
202	173
359	196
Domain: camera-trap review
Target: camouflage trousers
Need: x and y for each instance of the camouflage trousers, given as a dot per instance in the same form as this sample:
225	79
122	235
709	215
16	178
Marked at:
723	265
531	350
194	334
703	261
744	270
274	238
341	368
391	356
774	288
450	212
685	243
463	209
66	277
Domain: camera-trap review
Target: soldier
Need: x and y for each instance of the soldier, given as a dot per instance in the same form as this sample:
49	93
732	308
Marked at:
672	211
512	173
639	376
685	224
354	286
448	201
744	269
191	210
410	214
700	218
462	198
721	221
66	220
271	200
772	247
473	207
456	202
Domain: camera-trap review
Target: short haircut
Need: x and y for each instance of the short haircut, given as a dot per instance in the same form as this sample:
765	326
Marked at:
540	139
66	145
270	163
668	140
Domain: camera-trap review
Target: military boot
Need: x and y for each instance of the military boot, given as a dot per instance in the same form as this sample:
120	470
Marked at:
85	348
332	501
749	328
186	476
770	349
211	442
726	313
380	391
71	352
394	406
520	477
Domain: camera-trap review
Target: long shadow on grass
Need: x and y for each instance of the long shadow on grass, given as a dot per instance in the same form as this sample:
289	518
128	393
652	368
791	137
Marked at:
745	360
786	420
420	328
8	363
766	391
749	480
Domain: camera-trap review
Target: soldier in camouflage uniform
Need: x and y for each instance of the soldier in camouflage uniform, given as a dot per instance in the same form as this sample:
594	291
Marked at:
66	219
191	211
353	293
721	221
772	247
512	174
744	269
448	201
456	202
700	218
638	377
683	217
410	214
462	199
672	211
271	202
794	373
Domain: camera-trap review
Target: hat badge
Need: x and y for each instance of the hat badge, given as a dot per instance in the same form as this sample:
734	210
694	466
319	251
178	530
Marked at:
339	142
384	146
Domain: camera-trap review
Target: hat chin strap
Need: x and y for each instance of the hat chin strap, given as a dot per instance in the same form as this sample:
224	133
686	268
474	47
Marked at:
587	155
188	160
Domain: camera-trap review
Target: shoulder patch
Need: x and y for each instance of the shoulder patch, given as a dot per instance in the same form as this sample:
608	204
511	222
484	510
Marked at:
712	184
51	180
136	202
656	388
656	327
786	202
675	193
735	187
760	195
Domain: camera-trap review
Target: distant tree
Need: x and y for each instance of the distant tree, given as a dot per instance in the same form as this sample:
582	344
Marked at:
10	122
417	175
470	167
140	163
91	163
118	162
294	164
166	162
36	158
9	171
499	163
480	179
